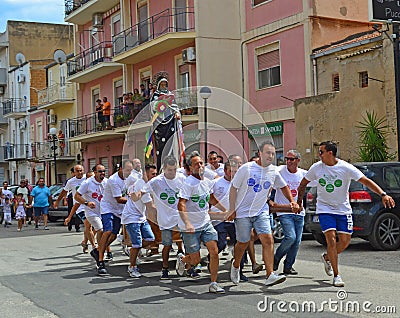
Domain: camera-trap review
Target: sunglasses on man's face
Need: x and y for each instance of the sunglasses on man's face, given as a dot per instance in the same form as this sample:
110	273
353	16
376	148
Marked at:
290	159
101	171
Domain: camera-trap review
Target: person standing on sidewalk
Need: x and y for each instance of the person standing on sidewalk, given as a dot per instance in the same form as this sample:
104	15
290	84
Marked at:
5	193
26	192
333	206
292	223
42	197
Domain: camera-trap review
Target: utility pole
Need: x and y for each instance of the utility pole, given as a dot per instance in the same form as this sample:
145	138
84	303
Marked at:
396	48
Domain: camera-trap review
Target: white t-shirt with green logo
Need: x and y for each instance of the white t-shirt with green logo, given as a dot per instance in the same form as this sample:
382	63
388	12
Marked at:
333	185
165	194
197	193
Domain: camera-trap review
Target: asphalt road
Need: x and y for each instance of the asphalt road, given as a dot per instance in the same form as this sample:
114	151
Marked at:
45	274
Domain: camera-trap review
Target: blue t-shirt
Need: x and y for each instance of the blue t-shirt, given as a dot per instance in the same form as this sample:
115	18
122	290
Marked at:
41	196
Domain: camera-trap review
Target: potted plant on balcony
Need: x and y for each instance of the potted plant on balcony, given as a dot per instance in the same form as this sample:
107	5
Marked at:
121	120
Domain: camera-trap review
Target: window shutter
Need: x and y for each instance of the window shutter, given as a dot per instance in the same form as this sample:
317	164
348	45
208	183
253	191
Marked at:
184	68
268	60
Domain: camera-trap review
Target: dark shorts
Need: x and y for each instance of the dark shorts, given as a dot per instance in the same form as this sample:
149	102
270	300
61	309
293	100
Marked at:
81	215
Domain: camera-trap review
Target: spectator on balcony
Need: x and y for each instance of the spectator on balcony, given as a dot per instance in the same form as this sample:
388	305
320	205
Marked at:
99	111
106	113
61	141
137	103
145	94
152	90
127	105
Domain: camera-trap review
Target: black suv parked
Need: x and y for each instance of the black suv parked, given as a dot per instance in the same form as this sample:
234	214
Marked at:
371	221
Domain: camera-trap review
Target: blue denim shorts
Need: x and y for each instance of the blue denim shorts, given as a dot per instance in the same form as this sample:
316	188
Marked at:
192	240
339	222
138	232
261	224
41	210
111	223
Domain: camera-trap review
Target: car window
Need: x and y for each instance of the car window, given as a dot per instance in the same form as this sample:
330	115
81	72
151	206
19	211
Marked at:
391	177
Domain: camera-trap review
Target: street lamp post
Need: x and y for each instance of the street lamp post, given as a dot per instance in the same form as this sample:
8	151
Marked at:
53	134
205	93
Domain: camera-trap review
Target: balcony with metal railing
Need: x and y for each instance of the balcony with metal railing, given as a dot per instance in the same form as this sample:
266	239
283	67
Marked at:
3	120
56	95
162	32
15	108
15	152
42	151
95	127
125	117
81	11
92	63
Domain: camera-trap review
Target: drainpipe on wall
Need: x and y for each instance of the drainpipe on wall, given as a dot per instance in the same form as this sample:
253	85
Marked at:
315	77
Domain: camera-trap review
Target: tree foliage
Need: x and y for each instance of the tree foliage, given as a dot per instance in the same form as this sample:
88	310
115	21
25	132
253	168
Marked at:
373	134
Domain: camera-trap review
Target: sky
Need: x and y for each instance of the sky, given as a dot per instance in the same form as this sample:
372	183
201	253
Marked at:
51	11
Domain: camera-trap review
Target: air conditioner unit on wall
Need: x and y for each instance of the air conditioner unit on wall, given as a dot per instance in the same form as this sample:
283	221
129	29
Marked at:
97	20
189	55
21	78
51	119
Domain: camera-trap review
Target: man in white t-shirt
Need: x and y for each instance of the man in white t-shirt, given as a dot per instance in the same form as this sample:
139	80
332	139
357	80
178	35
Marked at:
89	195
111	207
134	218
248	205
71	186
164	190
195	196
226	228
333	206
214	165
136	173
292	223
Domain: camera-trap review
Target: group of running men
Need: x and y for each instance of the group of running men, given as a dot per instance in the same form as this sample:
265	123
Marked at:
205	204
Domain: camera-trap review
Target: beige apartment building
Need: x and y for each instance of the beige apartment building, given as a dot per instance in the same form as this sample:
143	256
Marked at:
352	76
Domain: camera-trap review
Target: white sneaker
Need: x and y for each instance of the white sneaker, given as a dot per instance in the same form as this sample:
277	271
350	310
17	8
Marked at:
327	265
215	288
235	274
134	272
180	265
225	251
274	279
337	281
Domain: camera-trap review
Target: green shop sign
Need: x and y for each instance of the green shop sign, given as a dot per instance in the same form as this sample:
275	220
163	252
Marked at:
262	130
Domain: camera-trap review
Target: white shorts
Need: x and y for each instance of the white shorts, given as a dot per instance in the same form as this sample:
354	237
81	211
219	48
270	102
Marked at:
95	221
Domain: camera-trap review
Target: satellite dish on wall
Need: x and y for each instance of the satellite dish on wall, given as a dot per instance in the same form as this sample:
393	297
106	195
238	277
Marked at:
59	56
20	58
